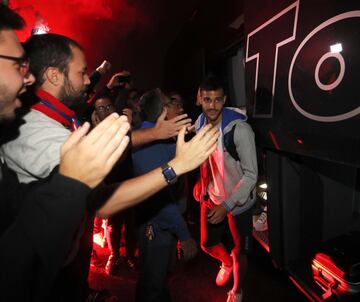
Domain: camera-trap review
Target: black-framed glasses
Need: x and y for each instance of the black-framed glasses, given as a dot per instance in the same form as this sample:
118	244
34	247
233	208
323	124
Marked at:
105	108
22	61
175	102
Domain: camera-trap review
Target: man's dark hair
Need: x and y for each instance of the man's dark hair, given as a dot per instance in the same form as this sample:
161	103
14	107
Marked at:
49	50
101	95
211	83
10	19
151	104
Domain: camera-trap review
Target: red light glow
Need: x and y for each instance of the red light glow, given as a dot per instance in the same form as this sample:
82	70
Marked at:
274	141
101	27
325	262
328	275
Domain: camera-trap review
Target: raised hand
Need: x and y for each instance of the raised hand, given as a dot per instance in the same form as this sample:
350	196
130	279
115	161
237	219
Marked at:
104	67
190	155
90	158
170	128
113	82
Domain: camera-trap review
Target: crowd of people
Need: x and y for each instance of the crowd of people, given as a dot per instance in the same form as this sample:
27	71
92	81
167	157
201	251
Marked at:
74	153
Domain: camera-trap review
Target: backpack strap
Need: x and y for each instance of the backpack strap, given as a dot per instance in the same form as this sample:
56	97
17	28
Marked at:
229	144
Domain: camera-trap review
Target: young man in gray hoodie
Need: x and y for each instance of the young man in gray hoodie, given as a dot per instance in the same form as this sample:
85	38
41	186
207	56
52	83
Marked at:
226	186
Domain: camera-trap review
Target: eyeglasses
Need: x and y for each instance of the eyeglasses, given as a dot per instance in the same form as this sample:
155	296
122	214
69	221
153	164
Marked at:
23	62
105	108
174	103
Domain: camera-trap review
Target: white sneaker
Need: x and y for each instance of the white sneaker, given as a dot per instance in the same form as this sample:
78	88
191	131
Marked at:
261	223
223	275
234	297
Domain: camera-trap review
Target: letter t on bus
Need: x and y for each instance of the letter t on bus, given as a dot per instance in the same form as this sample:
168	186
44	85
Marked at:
262	45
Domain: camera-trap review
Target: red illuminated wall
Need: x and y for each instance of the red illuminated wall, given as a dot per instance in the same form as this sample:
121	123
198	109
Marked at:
111	29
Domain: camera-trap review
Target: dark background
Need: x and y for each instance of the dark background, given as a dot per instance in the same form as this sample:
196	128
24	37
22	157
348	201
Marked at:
163	43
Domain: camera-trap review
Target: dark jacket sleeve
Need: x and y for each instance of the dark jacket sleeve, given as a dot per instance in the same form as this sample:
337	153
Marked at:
34	245
94	77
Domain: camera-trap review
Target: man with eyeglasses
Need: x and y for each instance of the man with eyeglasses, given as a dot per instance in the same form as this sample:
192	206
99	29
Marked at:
9	101
226	186
174	105
23	62
103	107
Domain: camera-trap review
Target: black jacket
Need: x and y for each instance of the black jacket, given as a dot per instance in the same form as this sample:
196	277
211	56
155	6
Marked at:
37	224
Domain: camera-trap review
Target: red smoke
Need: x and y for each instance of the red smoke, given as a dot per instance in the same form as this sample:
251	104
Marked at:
100	26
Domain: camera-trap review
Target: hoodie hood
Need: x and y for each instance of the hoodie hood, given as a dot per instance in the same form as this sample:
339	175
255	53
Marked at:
229	114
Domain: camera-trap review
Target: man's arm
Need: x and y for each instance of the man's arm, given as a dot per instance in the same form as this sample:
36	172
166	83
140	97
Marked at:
96	75
189	155
163	129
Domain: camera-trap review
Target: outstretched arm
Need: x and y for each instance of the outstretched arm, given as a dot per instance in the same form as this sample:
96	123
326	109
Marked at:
163	129
189	155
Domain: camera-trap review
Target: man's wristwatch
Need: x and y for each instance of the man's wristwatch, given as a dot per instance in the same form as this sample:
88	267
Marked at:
169	174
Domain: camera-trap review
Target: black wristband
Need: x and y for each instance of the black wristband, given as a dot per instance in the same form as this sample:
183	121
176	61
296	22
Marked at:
169	174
